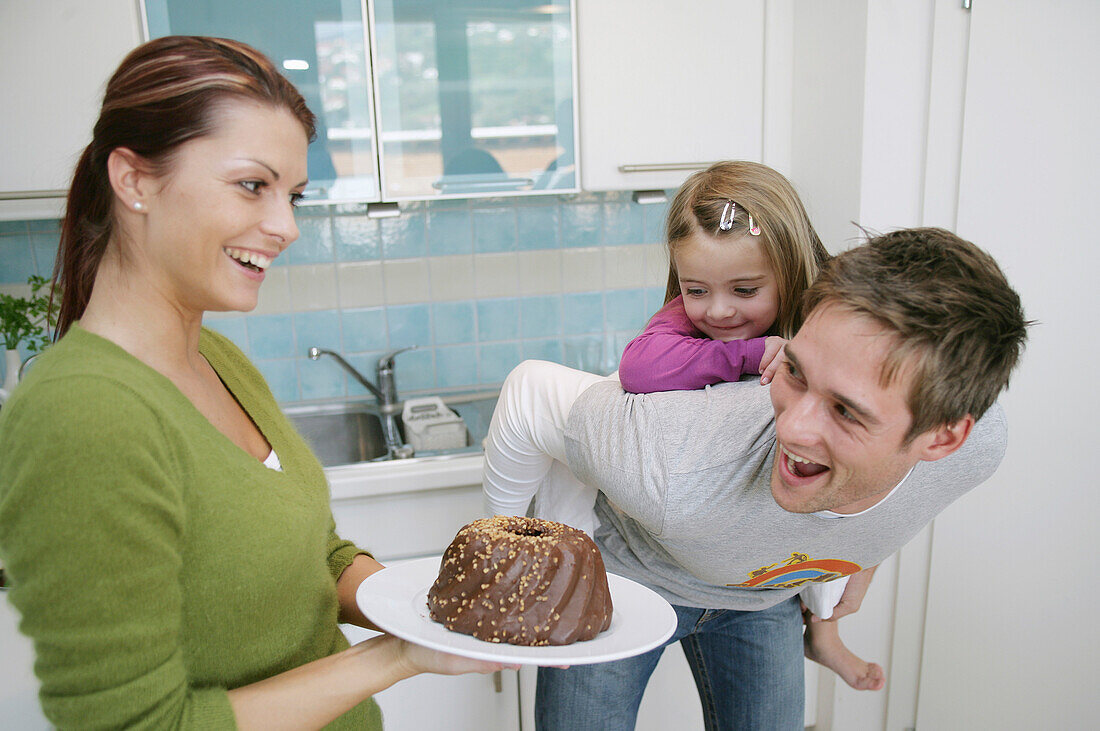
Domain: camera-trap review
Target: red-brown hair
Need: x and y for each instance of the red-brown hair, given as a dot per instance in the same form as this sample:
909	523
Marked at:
165	93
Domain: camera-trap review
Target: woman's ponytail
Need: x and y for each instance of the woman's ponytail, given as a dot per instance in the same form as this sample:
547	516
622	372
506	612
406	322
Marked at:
85	230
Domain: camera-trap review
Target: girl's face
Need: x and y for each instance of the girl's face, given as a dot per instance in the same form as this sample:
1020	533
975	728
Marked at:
728	286
225	210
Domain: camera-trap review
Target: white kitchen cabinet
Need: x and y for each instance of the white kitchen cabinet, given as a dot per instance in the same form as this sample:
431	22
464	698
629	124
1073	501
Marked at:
429	99
408	509
475	97
321	47
1026	658
665	89
19	708
57	57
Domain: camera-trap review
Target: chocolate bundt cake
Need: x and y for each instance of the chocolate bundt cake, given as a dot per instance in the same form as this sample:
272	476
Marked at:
523	581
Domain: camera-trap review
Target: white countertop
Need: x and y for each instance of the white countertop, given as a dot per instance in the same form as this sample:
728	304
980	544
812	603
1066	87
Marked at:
370	479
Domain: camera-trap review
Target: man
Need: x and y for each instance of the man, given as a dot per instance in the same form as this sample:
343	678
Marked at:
728	500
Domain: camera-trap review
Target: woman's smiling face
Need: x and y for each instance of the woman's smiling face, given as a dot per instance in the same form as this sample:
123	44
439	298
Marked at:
225	208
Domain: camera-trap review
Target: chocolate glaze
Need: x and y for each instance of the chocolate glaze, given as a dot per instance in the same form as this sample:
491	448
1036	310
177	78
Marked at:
523	581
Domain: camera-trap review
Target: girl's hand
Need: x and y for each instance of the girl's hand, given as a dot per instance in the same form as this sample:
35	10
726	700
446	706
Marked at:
772	359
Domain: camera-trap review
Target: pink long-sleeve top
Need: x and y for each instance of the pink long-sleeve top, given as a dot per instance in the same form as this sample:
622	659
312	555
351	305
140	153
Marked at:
672	355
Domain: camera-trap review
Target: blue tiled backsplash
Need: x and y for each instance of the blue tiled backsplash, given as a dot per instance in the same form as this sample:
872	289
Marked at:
478	286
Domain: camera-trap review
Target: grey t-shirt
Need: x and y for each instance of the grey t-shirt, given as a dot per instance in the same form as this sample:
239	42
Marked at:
685	500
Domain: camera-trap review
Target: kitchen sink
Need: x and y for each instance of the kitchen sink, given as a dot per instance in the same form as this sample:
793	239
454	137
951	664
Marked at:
346	432
340	432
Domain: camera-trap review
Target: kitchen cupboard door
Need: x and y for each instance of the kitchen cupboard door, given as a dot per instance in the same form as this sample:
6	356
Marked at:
460	702
57	57
1011	637
321	47
475	97
665	89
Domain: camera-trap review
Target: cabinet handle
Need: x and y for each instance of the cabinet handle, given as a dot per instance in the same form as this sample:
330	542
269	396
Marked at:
498	684
658	167
23	195
501	184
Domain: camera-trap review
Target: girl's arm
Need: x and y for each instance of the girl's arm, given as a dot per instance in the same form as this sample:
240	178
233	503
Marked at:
671	355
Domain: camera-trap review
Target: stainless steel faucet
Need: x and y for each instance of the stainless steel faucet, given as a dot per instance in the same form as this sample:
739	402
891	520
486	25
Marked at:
385	392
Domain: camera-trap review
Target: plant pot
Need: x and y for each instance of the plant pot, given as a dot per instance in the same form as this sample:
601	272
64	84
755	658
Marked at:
12	361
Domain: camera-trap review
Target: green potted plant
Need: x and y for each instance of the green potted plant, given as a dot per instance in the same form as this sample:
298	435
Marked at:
27	321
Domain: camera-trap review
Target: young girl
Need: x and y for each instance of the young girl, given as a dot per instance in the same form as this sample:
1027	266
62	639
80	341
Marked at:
741	252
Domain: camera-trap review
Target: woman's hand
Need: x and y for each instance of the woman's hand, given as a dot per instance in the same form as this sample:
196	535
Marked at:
418	659
772	358
312	695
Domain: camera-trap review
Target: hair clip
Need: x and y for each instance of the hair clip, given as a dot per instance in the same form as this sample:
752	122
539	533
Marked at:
728	212
753	228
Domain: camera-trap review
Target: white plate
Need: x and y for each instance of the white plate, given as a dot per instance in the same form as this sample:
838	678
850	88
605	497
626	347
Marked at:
396	599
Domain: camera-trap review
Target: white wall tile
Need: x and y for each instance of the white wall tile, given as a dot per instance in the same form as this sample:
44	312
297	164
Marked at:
624	267
656	264
452	278
313	287
540	272
582	269
23	291
406	281
275	293
496	275
360	284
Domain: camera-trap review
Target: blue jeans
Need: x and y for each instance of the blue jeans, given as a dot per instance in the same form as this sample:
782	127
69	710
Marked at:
747	667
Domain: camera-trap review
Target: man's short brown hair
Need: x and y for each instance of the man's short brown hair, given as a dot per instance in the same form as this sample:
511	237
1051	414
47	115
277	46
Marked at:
958	325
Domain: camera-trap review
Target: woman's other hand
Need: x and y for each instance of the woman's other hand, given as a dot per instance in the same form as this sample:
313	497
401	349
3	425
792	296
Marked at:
418	659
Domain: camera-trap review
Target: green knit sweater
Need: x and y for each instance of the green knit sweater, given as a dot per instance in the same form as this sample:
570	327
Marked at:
156	564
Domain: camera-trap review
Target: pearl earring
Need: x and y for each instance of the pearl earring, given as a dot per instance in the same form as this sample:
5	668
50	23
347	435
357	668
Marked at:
138	206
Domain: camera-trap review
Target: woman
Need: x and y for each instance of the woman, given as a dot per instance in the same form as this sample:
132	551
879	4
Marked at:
169	537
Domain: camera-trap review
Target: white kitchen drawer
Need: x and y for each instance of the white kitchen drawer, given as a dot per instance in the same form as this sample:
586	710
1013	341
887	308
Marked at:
470	702
406	508
407	525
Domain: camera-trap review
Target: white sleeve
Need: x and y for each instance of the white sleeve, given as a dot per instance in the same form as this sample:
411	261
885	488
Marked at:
526	437
821	598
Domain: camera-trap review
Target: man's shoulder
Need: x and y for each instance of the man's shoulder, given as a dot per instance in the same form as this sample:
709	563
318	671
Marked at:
725	419
741	400
977	459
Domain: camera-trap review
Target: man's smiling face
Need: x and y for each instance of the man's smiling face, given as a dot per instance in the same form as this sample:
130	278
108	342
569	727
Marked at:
839	430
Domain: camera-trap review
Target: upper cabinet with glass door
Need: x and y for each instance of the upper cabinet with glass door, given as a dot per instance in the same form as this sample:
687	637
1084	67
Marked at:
475	97
321	46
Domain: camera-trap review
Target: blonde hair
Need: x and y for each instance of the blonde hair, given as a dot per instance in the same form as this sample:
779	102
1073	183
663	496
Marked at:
793	248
